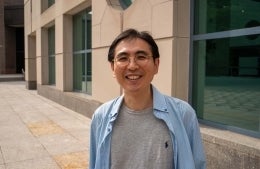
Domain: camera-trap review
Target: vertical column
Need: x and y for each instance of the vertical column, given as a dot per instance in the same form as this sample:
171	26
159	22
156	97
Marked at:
68	52
30	62
63	50
42	56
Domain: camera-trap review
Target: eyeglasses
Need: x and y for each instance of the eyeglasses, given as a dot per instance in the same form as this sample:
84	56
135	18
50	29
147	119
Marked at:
123	60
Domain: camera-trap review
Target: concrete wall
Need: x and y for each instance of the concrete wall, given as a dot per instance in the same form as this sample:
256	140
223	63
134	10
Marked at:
225	149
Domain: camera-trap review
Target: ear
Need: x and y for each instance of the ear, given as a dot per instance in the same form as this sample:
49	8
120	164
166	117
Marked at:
156	65
112	68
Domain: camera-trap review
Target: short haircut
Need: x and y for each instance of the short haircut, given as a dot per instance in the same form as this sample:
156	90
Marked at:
133	34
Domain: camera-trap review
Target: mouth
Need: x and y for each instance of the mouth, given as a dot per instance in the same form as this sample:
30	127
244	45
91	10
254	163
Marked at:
133	77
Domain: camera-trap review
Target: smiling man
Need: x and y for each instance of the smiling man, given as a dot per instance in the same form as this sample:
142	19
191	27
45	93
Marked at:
143	129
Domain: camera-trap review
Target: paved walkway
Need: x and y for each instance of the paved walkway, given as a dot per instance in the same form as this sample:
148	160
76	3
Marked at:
37	133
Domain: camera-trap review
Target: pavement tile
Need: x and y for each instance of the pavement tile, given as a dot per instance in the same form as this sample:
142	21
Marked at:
44	128
32	116
22	152
62	144
37	163
76	160
52	111
1	157
13	131
37	133
70	124
82	135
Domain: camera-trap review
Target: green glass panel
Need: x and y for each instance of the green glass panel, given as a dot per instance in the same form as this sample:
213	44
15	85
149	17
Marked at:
51	70
222	15
226	85
79	31
82	69
89	31
50	2
77	71
89	73
51	53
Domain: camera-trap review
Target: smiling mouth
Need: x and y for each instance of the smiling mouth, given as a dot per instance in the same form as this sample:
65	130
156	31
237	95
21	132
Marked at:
133	77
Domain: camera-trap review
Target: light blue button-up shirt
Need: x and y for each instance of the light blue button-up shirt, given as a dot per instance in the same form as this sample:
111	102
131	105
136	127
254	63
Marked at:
178	115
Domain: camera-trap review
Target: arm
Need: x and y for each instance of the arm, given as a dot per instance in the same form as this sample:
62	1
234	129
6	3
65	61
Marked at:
93	142
191	125
196	143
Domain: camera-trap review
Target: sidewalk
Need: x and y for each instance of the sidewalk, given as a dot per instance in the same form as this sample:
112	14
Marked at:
36	133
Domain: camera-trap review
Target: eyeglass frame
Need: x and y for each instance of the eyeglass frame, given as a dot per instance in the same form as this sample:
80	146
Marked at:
141	55
134	34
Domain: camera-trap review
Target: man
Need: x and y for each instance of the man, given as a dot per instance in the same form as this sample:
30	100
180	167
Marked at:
143	129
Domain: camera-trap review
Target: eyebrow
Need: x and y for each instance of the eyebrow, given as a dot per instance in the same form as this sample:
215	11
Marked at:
141	52
127	54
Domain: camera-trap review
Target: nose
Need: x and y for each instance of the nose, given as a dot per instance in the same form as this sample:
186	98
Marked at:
132	63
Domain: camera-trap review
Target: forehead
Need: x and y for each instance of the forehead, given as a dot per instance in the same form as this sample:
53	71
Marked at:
132	45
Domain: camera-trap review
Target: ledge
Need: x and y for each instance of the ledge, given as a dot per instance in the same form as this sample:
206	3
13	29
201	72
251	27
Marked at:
226	149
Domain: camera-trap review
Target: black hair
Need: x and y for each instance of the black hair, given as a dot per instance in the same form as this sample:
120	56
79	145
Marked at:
133	34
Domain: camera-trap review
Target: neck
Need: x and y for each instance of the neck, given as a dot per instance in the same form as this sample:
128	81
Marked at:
139	100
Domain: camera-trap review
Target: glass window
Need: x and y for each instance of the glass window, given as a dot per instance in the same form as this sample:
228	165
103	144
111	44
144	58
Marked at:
223	15
51	54
226	68
50	3
82	59
45	4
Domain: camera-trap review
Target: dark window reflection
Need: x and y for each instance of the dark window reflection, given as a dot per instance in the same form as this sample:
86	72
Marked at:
227	81
223	15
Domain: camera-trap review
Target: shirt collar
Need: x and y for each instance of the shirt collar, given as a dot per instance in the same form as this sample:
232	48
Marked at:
159	103
116	107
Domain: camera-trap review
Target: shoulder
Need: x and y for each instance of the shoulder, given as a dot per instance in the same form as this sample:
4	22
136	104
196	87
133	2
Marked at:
181	108
180	104
171	103
106	108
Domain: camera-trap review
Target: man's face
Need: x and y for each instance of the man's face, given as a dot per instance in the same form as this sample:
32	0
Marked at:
136	74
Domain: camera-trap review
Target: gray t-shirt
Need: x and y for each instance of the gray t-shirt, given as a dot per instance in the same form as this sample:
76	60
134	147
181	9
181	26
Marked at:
140	141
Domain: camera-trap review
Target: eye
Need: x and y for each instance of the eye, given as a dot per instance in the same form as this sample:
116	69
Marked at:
141	56
122	58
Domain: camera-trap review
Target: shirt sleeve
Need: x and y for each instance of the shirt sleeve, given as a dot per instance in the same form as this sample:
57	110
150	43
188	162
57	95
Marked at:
93	142
197	146
196	142
193	131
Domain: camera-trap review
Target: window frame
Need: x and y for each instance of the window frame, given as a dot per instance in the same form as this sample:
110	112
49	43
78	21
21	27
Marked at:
209	36
85	52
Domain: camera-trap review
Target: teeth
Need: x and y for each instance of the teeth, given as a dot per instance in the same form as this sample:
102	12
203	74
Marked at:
133	77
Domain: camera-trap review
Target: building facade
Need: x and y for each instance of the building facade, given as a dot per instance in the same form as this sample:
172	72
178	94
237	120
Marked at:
210	57
11	36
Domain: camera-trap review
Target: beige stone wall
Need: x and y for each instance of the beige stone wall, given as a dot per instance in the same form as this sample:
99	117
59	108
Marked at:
37	21
167	20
